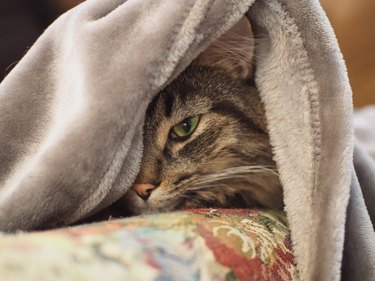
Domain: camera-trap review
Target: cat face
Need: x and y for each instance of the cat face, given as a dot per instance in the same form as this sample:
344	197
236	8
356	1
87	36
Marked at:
205	145
205	138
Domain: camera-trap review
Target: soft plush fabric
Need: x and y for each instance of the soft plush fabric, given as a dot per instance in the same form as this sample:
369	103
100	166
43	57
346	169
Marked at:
364	128
207	245
71	115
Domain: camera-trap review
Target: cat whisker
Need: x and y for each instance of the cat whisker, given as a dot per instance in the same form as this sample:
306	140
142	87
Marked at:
203	187
235	173
188	196
222	178
252	168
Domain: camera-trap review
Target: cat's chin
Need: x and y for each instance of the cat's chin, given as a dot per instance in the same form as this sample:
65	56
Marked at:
134	205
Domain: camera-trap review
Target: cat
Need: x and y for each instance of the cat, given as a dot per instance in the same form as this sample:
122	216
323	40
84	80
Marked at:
206	142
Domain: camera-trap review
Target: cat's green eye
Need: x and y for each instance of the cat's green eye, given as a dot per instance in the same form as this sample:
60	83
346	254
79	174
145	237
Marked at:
184	129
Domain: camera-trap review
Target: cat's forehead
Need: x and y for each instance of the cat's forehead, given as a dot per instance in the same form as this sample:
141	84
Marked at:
178	99
193	92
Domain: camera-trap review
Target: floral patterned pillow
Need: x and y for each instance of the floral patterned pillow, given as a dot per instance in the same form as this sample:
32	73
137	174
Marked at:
204	244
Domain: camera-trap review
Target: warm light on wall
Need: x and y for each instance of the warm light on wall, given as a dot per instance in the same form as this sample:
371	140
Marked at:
354	25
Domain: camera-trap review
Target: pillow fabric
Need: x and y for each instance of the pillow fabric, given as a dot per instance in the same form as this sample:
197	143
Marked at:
207	244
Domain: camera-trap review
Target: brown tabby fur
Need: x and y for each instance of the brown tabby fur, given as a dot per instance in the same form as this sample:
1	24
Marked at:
227	161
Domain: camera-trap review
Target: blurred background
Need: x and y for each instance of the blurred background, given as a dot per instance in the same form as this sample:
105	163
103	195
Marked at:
22	21
354	25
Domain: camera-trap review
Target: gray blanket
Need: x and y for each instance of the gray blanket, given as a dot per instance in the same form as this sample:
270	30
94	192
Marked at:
71	115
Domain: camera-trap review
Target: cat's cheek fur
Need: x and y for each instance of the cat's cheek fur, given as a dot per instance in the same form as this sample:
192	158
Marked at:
131	203
159	201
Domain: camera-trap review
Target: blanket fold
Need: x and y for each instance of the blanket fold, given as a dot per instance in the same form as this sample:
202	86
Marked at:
72	111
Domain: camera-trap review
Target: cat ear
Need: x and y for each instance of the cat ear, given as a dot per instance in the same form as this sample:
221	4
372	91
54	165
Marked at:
233	51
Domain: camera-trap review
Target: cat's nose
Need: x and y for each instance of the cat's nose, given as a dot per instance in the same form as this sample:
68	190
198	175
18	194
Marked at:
143	189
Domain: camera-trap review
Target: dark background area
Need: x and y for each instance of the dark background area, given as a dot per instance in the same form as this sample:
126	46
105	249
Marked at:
21	23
